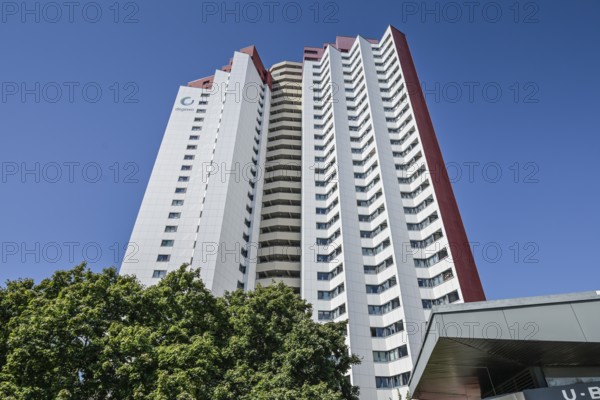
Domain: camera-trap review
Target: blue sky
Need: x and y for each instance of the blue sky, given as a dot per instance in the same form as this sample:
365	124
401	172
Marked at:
512	89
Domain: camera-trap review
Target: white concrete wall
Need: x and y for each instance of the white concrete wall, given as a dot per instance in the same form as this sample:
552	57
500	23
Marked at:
210	231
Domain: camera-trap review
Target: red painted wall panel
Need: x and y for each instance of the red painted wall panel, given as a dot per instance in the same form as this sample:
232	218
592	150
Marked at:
466	270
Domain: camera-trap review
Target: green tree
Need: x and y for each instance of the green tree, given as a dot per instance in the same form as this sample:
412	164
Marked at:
278	352
84	335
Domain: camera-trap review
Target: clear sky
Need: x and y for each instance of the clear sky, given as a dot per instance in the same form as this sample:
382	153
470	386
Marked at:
512	88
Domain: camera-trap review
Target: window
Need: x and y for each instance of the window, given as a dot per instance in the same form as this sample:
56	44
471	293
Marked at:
186	167
423	224
200	111
376	289
180	190
385	308
192	147
391	355
199	119
371	251
167	243
388	330
329	257
447	299
328	295
436	280
163	258
375	269
390	382
177	203
328	224
159	273
189	157
194	137
183	179
327	276
329	315
434	259
196	128
170	228
421	244
174	215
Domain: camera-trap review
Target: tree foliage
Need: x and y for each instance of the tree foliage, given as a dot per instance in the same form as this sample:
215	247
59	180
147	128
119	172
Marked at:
96	336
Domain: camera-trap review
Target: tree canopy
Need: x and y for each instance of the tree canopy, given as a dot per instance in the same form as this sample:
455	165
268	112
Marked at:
96	336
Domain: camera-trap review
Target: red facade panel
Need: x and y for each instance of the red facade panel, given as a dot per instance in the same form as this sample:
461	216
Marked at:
466	270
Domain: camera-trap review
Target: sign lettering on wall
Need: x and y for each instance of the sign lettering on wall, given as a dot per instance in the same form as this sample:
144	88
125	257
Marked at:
578	391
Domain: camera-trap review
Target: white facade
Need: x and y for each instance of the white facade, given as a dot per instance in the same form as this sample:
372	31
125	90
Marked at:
355	226
220	129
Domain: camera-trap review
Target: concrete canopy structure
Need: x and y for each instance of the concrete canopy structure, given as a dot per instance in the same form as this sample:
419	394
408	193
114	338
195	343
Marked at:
487	349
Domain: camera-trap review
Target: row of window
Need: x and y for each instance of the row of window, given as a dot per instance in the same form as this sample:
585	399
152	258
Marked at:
421	244
319	196
325	258
326	210
430	261
409	163
391	382
372	251
404	138
390	355
179	190
420	207
402	125
377	289
372	216
359	163
328	224
407	150
436	280
387	330
271	170
360	138
329	240
374	232
333	314
384	308
360	150
446	299
327	276
371	200
375	269
328	295
369	186
413	177
364	175
416	192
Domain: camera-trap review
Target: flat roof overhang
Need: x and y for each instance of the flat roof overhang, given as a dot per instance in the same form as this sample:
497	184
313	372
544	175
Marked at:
475	347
